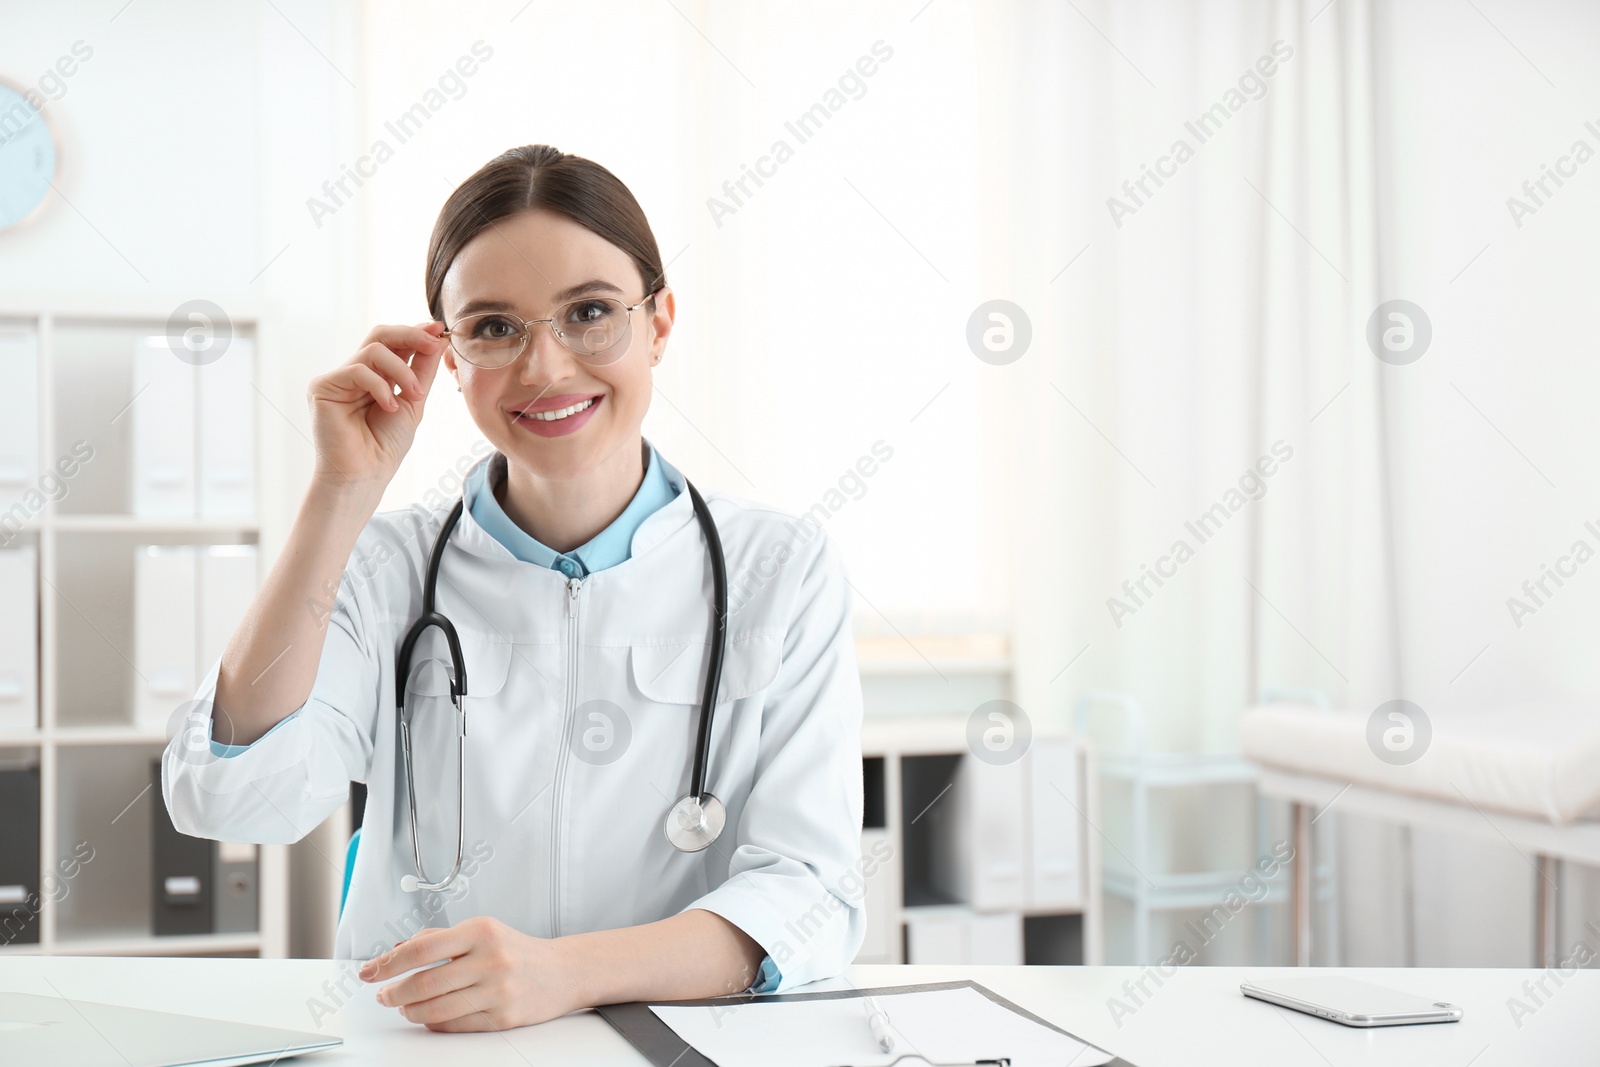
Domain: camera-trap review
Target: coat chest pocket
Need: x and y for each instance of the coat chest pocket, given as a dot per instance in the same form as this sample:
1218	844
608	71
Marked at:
488	661
675	673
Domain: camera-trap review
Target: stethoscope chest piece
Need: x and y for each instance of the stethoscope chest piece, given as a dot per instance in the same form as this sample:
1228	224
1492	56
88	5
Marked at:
692	824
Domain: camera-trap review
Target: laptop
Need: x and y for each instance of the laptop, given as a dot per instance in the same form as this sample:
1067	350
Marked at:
47	1030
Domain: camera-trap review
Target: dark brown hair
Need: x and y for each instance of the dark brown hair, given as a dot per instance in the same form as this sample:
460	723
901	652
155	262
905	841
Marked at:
538	176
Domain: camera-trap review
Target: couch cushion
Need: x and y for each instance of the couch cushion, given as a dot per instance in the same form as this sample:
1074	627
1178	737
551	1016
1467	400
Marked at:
1541	761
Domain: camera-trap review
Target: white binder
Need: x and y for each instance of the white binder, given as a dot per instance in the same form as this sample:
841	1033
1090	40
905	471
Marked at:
163	432
982	862
1055	874
19	414
164	632
226	430
882	931
955	934
19	639
227	585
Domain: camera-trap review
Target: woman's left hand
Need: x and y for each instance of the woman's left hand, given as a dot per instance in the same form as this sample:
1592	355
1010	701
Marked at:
493	977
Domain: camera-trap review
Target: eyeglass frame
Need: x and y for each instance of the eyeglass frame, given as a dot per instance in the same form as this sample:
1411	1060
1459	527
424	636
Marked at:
529	324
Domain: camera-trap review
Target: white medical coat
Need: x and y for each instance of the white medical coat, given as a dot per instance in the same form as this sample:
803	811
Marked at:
565	798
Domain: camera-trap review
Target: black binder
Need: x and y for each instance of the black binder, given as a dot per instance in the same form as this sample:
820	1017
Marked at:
182	892
19	856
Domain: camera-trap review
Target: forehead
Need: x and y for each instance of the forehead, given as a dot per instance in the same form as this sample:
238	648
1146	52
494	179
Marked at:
526	260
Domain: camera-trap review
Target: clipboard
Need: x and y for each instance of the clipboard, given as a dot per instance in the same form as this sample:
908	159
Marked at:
662	1046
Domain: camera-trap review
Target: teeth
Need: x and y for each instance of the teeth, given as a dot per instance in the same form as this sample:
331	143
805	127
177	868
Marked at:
561	413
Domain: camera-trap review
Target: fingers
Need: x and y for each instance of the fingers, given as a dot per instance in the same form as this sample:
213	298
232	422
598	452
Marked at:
478	1022
363	377
425	365
426	946
431	983
392	367
406	340
460	1010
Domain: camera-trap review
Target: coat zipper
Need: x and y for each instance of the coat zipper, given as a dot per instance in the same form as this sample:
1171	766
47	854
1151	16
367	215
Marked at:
573	585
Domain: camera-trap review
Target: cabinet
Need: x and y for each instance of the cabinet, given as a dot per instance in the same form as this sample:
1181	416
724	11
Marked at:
978	862
74	518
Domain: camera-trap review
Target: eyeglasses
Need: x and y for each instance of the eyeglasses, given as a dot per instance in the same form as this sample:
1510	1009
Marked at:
592	327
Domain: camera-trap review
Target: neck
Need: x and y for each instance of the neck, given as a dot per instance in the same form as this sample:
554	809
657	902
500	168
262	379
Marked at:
566	514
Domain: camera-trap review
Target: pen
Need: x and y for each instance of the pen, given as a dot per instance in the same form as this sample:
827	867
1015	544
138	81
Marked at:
878	1019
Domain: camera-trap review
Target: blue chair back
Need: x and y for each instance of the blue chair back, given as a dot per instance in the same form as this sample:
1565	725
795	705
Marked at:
349	865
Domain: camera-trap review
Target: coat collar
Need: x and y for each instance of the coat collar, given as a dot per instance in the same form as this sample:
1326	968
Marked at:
470	536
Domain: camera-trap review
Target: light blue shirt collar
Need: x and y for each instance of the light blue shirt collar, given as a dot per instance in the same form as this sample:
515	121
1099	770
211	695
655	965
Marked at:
607	548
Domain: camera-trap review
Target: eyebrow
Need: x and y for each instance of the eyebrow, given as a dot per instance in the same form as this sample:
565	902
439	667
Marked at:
590	286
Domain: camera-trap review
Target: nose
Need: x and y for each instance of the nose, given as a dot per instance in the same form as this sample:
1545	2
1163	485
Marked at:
546	358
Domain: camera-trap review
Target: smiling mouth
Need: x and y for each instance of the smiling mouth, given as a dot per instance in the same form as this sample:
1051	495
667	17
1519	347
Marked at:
560	413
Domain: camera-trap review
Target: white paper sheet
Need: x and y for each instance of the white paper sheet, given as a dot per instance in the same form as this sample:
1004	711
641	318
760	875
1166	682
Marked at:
942	1025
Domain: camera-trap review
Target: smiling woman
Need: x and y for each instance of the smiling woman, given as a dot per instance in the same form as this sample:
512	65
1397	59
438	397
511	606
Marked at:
589	581
508	243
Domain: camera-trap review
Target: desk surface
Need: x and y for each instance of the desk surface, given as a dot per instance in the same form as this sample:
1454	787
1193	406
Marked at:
1196	1016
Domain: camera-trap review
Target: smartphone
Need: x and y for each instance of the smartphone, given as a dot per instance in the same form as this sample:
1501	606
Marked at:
1351	1001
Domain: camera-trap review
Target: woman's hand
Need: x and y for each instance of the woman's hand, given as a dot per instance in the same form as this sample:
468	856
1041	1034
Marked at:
360	428
493	977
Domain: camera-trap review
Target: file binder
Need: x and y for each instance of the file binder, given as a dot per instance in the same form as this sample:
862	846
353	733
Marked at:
19	639
163	432
19	414
182	897
193	433
226	428
19	856
237	887
164	632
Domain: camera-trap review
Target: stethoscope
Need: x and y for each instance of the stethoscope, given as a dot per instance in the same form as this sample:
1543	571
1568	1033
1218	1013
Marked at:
693	823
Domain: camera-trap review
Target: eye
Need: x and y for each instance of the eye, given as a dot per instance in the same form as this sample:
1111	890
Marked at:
588	312
494	327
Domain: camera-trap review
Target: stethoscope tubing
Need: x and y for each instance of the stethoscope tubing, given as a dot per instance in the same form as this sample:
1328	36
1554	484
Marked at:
704	832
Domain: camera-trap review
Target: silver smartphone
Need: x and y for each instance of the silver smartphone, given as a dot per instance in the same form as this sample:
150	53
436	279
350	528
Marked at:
1351	1001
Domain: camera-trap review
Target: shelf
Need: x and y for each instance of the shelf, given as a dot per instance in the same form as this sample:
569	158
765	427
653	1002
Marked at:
20	950
148	945
1172	769
108	734
923	653
924	735
1178	892
136	524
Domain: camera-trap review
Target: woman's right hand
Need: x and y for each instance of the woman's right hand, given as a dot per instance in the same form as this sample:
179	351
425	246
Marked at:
360	428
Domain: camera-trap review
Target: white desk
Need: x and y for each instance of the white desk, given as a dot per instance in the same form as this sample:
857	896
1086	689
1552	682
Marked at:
1197	1017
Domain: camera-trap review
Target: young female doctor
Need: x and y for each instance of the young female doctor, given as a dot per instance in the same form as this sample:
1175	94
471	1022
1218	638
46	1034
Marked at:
553	860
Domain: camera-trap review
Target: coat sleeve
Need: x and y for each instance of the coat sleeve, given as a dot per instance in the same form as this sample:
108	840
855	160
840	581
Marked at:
796	883
279	788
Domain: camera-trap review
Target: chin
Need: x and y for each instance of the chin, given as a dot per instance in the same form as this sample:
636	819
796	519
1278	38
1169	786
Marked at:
557	458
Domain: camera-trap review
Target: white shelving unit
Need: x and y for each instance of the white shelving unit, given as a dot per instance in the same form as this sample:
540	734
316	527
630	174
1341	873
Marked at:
986	864
93	761
913	895
1127	763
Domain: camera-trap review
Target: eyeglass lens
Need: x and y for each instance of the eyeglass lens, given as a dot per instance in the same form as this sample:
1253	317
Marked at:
591	327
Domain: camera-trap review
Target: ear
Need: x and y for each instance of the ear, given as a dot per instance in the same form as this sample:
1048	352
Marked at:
661	323
450	364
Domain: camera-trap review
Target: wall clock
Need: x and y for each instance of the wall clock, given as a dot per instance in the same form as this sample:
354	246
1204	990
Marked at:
28	157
